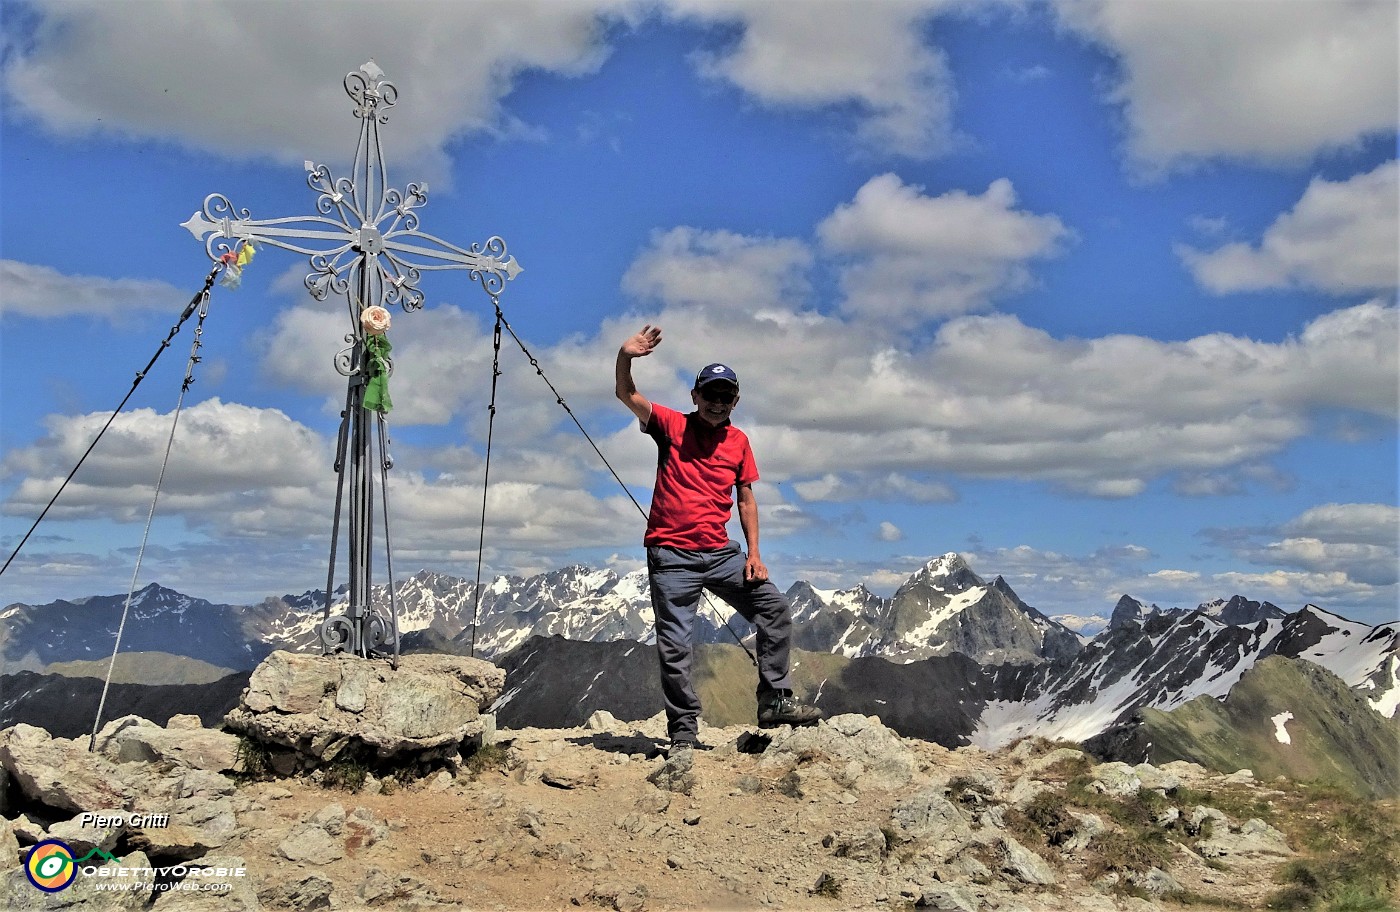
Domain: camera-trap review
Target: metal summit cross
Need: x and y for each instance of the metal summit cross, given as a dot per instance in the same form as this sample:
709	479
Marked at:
364	244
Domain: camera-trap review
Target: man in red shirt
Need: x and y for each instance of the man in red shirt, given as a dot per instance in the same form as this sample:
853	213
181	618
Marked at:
702	460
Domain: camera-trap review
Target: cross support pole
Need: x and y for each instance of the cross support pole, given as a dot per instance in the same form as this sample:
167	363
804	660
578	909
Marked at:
363	243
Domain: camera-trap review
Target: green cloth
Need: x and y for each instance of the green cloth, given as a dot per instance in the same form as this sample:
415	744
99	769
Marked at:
377	350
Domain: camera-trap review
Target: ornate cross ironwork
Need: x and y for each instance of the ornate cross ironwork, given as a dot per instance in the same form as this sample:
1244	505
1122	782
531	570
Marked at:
364	244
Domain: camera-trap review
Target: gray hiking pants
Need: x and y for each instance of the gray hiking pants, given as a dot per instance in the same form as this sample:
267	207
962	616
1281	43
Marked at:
677	578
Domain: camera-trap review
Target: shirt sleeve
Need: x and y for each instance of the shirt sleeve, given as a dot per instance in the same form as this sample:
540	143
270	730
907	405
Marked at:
663	423
748	468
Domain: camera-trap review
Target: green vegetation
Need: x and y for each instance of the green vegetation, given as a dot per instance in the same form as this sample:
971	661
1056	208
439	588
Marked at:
828	886
253	761
1349	854
1336	737
487	758
347	771
1049	817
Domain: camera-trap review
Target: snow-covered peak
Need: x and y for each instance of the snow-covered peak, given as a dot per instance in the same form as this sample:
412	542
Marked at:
948	573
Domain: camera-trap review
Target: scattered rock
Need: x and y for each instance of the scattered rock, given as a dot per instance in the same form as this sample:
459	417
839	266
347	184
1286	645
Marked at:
884	762
676	774
1255	837
60	773
840	814
933	819
1116	780
132	738
947	898
1024	865
868	844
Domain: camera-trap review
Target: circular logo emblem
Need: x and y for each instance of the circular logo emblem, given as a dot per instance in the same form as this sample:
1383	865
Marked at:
50	866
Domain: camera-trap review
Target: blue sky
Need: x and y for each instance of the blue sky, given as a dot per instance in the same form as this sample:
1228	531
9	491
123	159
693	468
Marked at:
1101	295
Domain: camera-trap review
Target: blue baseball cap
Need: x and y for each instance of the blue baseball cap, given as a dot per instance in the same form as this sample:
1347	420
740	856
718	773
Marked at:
712	372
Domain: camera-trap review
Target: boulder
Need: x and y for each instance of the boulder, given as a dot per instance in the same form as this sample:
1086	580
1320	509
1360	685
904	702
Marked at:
185	814
317	840
1024	865
947	898
1155	881
240	895
865	844
863	754
316	706
1116	780
9	845
60	773
1156	780
1255	837
134	739
84	833
929	817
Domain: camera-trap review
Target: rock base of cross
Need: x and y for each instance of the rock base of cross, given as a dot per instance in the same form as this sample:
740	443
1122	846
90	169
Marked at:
317	712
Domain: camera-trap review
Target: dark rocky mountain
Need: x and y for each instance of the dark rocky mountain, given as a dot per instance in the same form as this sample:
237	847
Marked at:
1240	611
943	608
1163	663
159	620
66	707
553	682
1130	611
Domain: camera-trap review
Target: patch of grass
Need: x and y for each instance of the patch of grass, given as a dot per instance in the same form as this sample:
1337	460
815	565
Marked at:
1188	899
1040	746
1068	769
347	771
487	758
1240	804
1125	851
1050	816
967	790
1349	857
253	760
827	885
1136	811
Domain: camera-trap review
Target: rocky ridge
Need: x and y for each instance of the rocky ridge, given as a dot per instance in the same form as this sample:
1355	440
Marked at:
844	815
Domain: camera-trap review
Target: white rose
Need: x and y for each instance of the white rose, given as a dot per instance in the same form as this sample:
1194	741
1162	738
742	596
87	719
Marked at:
375	320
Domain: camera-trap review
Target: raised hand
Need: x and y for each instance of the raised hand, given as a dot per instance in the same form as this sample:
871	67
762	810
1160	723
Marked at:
643	343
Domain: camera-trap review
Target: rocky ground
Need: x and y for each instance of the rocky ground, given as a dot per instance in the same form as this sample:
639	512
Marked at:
845	815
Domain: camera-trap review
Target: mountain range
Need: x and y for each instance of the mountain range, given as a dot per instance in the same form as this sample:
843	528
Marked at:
950	657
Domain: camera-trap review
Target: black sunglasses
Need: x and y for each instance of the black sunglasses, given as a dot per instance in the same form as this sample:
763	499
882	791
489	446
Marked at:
721	396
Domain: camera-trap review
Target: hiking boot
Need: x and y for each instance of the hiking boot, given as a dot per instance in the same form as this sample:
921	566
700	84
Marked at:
781	708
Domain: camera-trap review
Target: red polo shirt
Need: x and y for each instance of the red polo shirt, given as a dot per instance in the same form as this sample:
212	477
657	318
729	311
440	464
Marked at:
696	470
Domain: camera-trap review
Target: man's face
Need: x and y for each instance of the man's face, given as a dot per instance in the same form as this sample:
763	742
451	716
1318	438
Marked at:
714	401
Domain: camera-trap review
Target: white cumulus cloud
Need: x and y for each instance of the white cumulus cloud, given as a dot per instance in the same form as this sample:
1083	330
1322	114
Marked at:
212	76
1341	237
910	257
871	55
1270	82
31	290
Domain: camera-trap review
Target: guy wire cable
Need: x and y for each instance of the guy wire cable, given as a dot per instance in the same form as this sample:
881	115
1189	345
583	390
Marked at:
140	375
486	472
195	345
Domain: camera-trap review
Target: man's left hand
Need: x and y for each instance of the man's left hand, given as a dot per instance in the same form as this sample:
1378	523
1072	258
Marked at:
754	571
